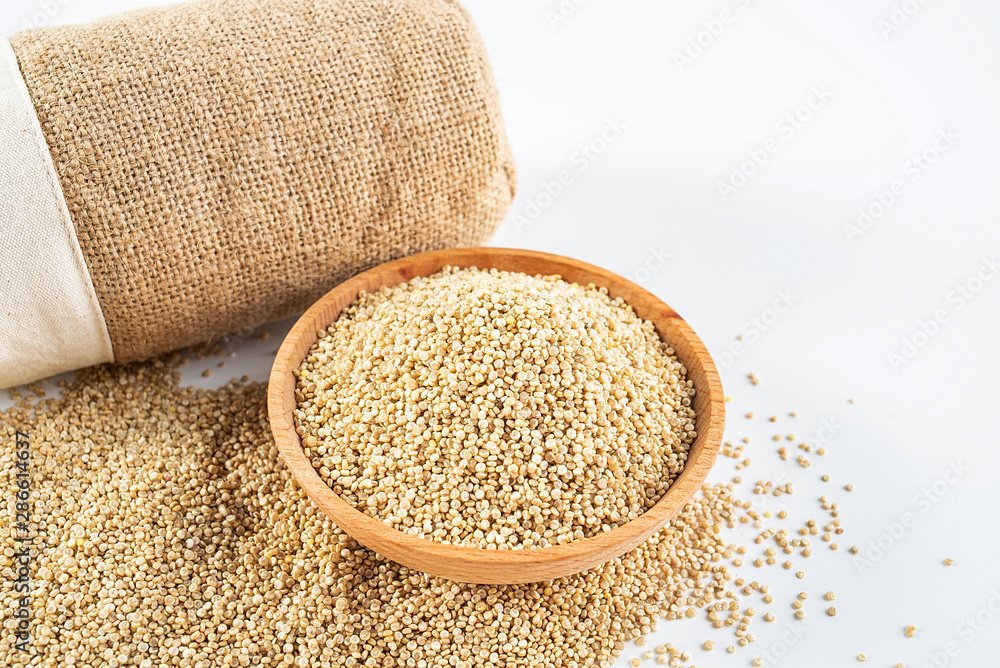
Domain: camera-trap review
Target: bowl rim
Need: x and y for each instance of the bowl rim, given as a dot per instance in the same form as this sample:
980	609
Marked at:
474	564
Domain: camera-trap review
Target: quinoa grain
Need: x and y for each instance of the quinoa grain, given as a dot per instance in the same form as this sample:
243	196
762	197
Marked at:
167	532
495	409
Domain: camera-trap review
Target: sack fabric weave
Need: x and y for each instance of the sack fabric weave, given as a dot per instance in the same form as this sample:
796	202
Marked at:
226	162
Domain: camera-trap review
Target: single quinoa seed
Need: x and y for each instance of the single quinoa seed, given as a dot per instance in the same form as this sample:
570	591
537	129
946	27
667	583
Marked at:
495	409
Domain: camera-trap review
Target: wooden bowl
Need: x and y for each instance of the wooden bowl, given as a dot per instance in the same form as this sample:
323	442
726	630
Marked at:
469	564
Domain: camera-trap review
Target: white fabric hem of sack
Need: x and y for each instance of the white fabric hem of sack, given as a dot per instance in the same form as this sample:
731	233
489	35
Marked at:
50	319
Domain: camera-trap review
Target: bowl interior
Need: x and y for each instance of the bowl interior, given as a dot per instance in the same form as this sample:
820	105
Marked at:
470	564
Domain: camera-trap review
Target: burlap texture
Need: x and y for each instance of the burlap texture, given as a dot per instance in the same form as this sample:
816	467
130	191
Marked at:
226	162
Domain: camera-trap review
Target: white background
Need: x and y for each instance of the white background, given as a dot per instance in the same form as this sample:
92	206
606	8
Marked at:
684	99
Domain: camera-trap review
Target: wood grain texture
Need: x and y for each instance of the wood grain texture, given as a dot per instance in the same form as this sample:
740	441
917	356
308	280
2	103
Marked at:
468	564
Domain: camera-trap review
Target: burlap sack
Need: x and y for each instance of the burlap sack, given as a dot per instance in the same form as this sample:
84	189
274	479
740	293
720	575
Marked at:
226	162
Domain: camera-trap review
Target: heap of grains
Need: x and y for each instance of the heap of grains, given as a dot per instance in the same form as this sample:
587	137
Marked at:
165	531
161	529
495	409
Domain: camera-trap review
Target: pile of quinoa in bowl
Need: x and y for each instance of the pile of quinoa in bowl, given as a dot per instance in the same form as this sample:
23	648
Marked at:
494	409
